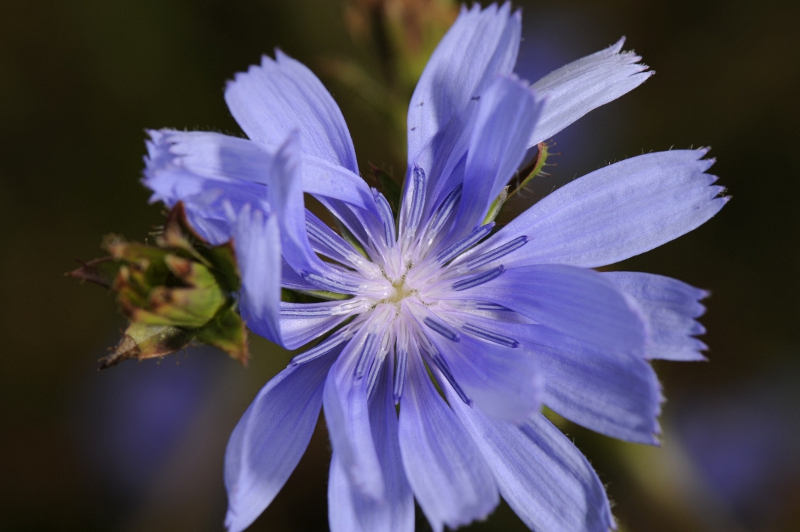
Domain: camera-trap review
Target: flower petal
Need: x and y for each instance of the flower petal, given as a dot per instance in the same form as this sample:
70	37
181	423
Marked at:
270	438
480	45
671	307
575	301
450	479
328	243
347	416
504	382
256	240
304	322
507	114
348	509
616	212
285	196
203	195
541	474
584	85
181	163
282	95
611	392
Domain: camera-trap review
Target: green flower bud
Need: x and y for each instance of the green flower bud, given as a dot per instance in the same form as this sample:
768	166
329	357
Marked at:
178	292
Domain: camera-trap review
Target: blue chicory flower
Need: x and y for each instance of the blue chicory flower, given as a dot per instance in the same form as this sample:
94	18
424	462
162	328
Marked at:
502	321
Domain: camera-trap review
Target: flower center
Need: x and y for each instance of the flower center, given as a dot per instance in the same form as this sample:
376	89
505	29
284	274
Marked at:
401	291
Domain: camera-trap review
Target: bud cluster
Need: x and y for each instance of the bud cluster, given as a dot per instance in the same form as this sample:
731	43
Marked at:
179	291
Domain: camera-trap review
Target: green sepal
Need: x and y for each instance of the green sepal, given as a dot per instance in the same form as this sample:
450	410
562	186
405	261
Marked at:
529	171
533	169
327	295
141	341
180	290
150	267
177	234
227	331
311	296
99	271
181	307
225	269
494	208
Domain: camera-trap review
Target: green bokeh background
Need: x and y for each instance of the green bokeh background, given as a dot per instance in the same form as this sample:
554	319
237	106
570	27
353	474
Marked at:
81	79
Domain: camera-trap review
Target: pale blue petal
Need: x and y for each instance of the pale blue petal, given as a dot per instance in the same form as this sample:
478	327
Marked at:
348	509
203	192
202	156
480	45
294	281
451	481
541	474
575	301
671	307
611	392
270	438
347	416
507	113
282	95
210	155
327	242
503	382
616	212
303	322
215	231
256	240
326	180
584	85
365	226
285	196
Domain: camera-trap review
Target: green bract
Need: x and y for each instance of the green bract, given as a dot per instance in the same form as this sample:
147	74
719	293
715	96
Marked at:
181	290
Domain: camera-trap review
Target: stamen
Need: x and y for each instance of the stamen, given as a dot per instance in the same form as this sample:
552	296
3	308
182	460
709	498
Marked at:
387	218
351	225
436	359
485	305
498	252
326	283
400	365
334	244
440	363
367	354
465	243
443	212
415	199
322	349
313	310
377	366
442	329
479	279
374	373
489	336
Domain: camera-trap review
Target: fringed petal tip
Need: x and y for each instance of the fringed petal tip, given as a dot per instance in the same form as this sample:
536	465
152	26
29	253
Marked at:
628	57
671	308
158	155
266	62
583	85
618	211
159	158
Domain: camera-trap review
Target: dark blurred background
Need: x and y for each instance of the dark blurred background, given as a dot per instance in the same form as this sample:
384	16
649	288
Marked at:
140	447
